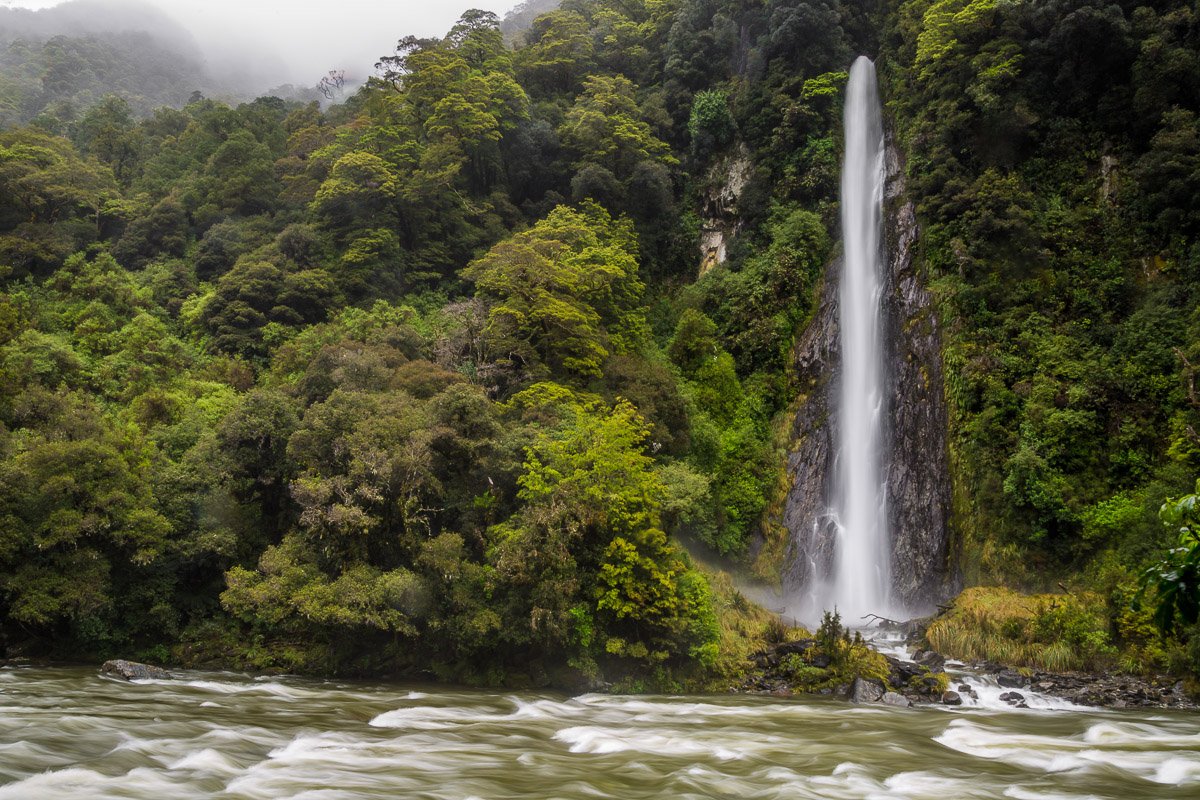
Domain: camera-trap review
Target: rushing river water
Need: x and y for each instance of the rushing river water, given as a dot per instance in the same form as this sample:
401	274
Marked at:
69	733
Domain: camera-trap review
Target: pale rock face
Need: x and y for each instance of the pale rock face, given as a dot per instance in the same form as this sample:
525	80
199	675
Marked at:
727	179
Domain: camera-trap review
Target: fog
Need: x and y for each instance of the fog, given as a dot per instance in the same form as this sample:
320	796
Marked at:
298	41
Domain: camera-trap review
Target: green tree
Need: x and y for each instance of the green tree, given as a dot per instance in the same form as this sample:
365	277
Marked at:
45	182
564	294
78	526
592	505
710	124
605	127
558	53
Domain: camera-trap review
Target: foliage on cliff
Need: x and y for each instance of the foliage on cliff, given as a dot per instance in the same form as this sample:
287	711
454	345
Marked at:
1052	152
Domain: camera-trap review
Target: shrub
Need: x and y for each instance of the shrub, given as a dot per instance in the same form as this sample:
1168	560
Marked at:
710	124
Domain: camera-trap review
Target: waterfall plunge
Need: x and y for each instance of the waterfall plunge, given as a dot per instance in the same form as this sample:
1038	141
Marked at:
861	579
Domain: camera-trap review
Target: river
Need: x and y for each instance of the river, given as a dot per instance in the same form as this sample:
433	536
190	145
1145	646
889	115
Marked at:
70	733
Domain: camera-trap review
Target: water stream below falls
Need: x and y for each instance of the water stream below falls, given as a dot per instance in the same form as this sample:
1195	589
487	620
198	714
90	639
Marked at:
70	733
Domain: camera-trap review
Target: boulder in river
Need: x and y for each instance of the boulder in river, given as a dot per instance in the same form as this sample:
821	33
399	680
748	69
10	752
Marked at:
866	690
904	671
894	699
951	698
1011	679
132	670
930	660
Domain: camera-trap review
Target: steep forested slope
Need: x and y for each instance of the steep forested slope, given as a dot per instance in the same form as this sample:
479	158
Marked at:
58	62
385	386
1053	154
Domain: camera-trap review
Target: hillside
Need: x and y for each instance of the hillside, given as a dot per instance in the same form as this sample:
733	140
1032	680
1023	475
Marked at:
440	381
58	62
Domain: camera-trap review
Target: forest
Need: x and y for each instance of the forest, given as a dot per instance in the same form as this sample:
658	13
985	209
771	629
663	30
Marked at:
432	381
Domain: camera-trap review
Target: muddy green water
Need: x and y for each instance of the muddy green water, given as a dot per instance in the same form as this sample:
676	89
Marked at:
69	733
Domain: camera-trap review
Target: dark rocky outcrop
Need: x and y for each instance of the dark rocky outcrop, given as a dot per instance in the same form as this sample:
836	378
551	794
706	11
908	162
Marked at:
132	670
1011	679
799	646
951	698
774	670
918	472
866	690
930	659
1114	691
1105	690
810	457
1015	699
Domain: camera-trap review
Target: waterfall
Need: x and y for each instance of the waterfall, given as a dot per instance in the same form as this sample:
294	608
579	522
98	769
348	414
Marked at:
869	503
861	581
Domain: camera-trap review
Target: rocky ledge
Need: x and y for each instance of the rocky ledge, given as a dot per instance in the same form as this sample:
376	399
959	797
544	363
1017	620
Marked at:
1103	690
132	670
802	667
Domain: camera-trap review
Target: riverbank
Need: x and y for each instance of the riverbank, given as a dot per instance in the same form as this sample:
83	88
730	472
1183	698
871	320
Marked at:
923	677
804	668
1101	690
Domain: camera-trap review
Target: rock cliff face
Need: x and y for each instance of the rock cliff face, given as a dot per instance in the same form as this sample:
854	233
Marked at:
917	471
726	180
810	462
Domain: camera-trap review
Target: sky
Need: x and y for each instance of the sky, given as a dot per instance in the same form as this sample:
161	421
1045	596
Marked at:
310	37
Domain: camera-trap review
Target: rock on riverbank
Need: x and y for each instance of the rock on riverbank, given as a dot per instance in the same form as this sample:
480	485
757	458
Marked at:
801	667
1102	690
132	670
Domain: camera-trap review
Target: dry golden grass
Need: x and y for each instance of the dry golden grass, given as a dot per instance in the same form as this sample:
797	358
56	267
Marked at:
1053	632
745	626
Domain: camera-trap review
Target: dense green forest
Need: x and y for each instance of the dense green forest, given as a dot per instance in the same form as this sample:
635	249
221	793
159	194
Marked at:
1054	158
427	381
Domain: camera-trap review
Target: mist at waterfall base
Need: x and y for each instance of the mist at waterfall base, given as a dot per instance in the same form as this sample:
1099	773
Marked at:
859	580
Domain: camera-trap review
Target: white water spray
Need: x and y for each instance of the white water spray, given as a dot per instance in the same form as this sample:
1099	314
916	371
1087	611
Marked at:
861	579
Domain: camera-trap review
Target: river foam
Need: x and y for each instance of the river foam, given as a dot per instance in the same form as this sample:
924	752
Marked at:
1138	750
71	735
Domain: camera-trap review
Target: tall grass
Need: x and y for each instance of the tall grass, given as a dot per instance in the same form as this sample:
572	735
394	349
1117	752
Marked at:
1052	632
744	627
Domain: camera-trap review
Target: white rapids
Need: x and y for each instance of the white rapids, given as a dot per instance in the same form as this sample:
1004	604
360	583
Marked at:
68	733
